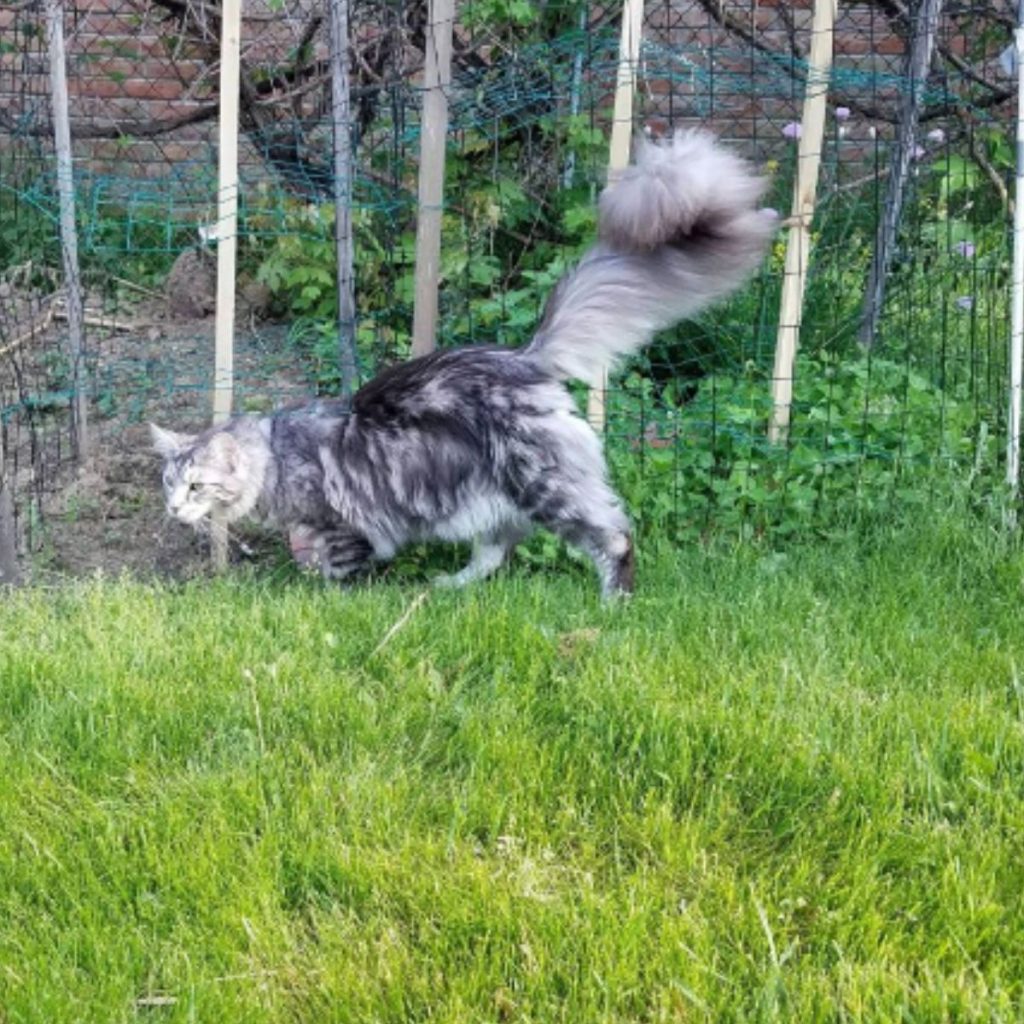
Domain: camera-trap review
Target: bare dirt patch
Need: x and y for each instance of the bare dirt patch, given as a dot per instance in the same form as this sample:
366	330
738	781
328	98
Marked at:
108	515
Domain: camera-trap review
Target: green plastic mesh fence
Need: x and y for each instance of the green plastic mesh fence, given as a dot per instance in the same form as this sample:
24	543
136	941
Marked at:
878	430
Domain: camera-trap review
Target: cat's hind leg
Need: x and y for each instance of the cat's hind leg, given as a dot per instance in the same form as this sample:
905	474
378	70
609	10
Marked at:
489	553
591	518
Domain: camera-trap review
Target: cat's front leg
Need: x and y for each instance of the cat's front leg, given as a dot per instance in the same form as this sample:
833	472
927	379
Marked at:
342	553
302	542
336	552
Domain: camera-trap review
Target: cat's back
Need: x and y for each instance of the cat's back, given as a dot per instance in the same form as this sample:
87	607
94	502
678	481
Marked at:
462	382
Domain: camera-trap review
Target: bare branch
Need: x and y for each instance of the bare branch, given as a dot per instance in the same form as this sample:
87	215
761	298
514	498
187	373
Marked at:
892	9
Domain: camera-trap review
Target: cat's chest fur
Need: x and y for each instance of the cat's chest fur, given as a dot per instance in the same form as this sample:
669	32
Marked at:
294	489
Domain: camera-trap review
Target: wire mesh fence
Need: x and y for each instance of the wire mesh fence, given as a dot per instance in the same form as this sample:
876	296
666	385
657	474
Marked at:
876	422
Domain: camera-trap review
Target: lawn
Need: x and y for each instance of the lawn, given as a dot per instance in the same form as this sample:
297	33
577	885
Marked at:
773	786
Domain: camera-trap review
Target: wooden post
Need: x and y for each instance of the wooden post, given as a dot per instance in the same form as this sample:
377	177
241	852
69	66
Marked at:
437	76
798	244
575	88
227	237
618	154
1017	294
924	28
343	184
68	229
8	541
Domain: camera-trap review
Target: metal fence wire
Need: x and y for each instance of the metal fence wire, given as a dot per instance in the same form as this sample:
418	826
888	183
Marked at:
881	421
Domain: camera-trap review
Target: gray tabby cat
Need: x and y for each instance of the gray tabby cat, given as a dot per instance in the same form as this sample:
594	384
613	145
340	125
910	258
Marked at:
486	443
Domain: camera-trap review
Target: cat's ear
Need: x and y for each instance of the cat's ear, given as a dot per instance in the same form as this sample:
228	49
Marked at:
226	451
167	442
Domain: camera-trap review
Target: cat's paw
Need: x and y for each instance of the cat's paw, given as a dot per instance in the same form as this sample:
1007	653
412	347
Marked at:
449	581
305	548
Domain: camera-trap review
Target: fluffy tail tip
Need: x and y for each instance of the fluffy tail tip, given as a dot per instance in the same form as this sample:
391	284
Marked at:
677	186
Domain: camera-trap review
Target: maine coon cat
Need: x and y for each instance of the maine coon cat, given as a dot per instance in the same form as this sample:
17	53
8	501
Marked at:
486	443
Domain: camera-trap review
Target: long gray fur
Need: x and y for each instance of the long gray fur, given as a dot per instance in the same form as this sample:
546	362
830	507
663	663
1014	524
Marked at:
486	443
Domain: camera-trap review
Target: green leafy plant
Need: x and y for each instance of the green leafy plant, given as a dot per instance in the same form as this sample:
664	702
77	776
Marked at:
864	434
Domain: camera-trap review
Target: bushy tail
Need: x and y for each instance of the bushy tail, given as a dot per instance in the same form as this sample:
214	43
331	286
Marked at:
677	230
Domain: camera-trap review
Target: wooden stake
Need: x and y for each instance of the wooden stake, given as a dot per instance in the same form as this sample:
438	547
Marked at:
68	229
41	322
1013	431
437	78
630	37
805	189
575	88
924	28
618	154
343	181
9	573
227	238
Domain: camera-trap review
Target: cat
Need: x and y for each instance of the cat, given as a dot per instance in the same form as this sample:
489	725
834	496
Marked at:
486	443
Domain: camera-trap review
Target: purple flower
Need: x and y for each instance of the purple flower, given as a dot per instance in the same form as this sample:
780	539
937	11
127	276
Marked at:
936	135
965	249
841	113
793	130
917	152
965	302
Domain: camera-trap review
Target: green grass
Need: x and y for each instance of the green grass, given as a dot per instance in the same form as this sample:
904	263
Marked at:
772	787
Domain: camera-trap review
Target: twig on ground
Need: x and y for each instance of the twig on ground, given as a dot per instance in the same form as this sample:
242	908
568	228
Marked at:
400	622
40	324
990	172
142	289
97	319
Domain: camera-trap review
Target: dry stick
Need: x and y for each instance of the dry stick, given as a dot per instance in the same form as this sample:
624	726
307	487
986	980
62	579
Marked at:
717	10
105	322
343	241
9	572
68	231
805	188
227	228
978	154
1016	395
141	289
896	9
437	78
922	45
618	154
574	97
42	322
401	621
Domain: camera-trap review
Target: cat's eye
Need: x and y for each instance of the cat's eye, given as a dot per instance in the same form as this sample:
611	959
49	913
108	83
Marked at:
193	487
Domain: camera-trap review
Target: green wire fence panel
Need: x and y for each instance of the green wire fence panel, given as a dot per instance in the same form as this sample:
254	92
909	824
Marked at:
530	109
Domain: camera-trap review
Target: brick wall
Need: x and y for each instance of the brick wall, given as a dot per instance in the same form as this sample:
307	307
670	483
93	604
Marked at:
129	74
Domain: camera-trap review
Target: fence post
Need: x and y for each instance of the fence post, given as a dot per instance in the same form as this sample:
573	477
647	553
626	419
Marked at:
924	27
575	88
227	237
618	152
8	541
798	244
437	77
68	229
1017	298
343	186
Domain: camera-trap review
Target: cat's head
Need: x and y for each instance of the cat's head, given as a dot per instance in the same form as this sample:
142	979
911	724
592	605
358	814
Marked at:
205	474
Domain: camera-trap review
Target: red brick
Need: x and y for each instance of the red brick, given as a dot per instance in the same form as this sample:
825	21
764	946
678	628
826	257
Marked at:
851	44
95	87
889	45
152	89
